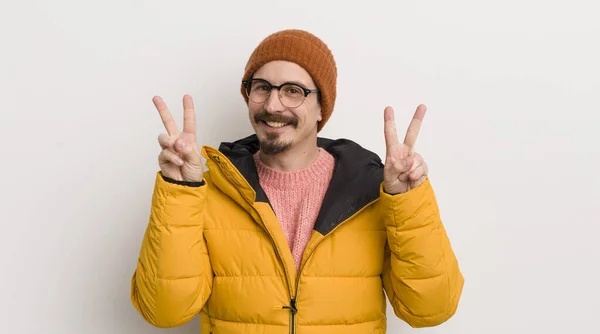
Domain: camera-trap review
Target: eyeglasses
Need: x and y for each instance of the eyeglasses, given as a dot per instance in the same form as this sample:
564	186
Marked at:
291	95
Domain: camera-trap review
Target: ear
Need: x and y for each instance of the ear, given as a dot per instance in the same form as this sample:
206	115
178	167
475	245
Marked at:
319	113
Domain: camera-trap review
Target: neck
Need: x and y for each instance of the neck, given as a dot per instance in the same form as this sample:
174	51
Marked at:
297	157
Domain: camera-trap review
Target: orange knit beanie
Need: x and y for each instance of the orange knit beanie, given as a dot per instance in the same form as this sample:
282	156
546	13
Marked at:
306	50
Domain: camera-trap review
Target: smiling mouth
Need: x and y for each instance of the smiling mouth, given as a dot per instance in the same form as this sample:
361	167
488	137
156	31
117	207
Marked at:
275	125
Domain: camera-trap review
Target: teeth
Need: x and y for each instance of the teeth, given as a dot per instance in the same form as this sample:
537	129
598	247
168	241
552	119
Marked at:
275	124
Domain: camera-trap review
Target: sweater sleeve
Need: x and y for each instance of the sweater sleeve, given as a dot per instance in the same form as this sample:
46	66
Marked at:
421	275
173	278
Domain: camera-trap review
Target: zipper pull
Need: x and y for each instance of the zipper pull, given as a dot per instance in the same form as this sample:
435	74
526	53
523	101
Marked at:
293	307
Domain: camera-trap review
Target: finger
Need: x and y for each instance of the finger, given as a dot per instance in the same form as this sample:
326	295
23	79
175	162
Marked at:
167	155
189	115
403	176
415	126
166	141
188	151
419	172
417	162
389	128
425	169
419	181
165	116
401	166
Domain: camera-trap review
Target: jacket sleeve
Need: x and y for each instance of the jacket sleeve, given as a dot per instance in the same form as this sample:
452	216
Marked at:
173	278
420	274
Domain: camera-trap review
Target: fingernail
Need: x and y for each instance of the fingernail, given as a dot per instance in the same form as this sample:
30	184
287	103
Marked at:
407	162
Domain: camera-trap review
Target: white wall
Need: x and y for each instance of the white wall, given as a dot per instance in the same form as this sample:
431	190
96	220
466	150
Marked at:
513	94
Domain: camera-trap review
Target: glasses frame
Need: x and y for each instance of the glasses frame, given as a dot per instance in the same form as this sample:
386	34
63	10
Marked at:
248	83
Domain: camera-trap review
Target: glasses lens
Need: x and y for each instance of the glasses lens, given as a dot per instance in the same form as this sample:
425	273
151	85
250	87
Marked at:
259	91
292	95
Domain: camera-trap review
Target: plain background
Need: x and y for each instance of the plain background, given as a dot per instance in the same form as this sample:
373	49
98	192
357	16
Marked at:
510	137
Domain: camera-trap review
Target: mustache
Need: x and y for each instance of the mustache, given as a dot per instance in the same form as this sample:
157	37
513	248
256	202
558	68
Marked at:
267	117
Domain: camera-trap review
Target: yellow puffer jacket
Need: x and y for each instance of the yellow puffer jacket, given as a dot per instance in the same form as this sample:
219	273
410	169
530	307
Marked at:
217	249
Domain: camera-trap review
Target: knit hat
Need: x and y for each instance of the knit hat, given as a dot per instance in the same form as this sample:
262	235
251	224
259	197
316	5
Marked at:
306	50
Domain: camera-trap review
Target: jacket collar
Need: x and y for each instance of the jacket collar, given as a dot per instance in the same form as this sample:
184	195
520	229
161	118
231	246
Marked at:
356	180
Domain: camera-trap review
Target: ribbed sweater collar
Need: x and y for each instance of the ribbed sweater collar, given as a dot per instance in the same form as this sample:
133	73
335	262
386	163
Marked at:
319	171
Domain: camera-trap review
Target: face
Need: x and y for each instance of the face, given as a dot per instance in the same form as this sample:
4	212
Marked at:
277	126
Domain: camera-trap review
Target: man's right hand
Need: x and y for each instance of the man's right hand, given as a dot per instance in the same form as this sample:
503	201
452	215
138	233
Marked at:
180	157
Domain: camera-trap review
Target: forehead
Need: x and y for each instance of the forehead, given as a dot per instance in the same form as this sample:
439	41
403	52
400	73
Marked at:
280	71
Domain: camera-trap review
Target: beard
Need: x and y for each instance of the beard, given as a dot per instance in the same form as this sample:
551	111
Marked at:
272	143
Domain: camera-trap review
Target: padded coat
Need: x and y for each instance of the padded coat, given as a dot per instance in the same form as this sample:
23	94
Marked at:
217	250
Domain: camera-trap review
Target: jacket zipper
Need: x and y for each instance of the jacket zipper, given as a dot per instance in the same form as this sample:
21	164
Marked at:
293	311
292	306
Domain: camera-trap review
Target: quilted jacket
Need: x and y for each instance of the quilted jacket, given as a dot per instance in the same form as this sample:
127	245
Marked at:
217	250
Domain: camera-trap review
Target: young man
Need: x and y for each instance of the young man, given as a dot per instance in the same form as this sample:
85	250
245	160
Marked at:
288	232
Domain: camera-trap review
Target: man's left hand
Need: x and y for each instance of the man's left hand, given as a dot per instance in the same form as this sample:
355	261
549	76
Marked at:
404	168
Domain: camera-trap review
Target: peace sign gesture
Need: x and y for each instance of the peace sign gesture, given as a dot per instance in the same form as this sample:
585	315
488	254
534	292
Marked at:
180	157
404	168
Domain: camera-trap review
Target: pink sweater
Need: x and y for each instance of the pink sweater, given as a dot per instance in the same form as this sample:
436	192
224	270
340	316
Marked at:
296	198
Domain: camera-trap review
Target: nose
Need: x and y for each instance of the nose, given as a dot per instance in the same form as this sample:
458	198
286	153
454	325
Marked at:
273	104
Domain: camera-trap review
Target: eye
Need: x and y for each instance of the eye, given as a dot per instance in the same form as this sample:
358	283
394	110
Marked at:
259	86
293	90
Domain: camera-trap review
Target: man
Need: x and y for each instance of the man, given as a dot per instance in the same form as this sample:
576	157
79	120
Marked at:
288	232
